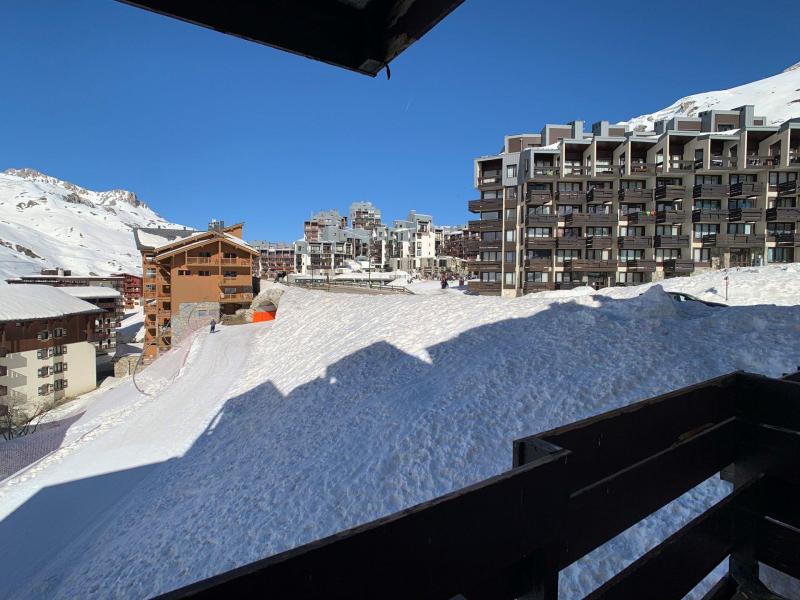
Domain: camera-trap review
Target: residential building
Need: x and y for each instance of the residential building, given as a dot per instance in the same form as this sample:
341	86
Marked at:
131	289
321	220
110	302
191	277
129	285
364	215
568	207
275	258
46	345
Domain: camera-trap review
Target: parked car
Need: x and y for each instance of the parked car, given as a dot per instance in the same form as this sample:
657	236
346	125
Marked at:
683	297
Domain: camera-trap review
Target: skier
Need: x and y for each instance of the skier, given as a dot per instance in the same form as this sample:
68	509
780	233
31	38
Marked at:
213	325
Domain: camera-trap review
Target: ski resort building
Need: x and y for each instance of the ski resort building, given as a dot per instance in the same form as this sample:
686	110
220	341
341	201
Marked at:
364	215
275	257
109	301
568	207
129	285
46	346
191	277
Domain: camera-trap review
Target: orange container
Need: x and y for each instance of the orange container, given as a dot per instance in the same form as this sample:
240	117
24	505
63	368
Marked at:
259	317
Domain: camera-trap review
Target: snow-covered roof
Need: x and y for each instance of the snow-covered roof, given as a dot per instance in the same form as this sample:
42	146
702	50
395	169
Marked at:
156	237
90	291
201	238
24	302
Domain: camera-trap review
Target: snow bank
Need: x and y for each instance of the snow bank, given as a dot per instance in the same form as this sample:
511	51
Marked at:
349	407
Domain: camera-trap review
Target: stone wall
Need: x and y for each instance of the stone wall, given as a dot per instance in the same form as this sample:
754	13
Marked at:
191	316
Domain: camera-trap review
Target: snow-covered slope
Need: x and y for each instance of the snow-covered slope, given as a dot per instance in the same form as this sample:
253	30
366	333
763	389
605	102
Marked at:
46	222
776	97
348	407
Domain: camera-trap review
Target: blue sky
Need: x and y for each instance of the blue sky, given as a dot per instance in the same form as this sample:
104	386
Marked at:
204	125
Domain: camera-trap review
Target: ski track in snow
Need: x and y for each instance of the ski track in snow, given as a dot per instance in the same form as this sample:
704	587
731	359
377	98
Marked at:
350	407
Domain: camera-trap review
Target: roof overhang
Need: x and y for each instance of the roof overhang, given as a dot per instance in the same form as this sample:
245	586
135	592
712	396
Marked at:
360	35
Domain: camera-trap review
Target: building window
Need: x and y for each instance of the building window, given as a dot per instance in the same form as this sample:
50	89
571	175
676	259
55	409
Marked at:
601	231
59	332
536	277
183	272
3	390
780	255
150	287
490	277
511	171
511	214
509	278
740	228
667	253
490	256
60	384
563	256
668	229
150	273
702	255
204	273
510	257
701	229
510	235
490	236
490	215
43	335
628	255
598	254
540	232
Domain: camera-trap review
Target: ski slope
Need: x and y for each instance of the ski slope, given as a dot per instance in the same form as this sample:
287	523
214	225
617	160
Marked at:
263	437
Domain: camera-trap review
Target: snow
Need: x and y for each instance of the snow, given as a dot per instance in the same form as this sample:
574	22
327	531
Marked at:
777	98
90	291
263	437
20	302
46	222
153	240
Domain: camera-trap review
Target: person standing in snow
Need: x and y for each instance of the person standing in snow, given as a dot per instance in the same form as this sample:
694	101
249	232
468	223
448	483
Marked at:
213	325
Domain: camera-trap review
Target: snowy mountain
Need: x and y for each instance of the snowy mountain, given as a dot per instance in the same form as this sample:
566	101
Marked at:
47	222
776	97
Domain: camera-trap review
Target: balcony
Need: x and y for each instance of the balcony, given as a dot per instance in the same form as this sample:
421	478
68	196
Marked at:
745	214
676	166
744	189
538	286
641	168
725	240
164	312
640	217
709	215
539	219
670	216
490	178
605	170
638	265
672	241
669	192
591	218
781	214
568	285
487	225
706	190
788	188
237	281
591	265
487	204
489	245
544	172
570	197
641	195
634	242
538	197
236	262
754	161
538	263
540	242
717	162
237	297
571	242
598	242
484	265
678	265
576	171
201	261
784	239
599	196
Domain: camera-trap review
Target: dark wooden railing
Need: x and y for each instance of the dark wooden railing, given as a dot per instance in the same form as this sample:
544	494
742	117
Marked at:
571	490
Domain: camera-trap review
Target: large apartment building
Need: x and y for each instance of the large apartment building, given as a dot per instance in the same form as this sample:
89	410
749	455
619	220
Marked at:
568	207
129	285
110	302
192	276
46	346
275	258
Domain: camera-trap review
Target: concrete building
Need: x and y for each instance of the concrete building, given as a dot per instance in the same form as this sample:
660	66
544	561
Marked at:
46	346
364	215
110	302
569	207
192	277
275	258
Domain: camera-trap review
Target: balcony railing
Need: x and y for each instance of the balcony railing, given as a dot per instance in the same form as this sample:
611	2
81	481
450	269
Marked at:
754	161
571	242
599	196
238	297
487	225
485	204
725	240
640	217
538	197
745	214
490	178
236	262
629	195
544	171
674	165
671	241
705	190
746	188
540	219
538	286
576	171
638	264
538	263
634	242
598	242
669	192
641	168
592	265
678	265
201	260
568	285
540	242
671	216
591	218
570	197
483	287
784	239
709	215
788	188
605	169
780	213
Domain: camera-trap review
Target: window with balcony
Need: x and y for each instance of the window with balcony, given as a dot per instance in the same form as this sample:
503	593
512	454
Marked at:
778	177
631	230
568	232
204	254
736	178
510	235
569	186
204	273
490	215
539	210
537	277
539	254
627	209
629	255
568	209
701	255
510	257
775	228
668	229
631	184
183	272
667	253
701	229
598	254
230	274
567	277
490	256
599	231
780	255
490	277
540	232
511	214
707	204
492	195
631	278
742	203
708	179
740	228
567	255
